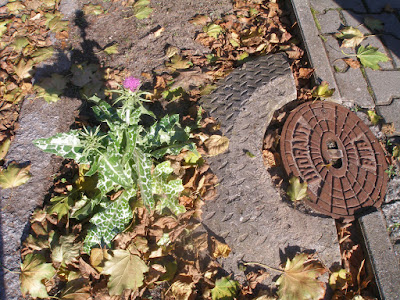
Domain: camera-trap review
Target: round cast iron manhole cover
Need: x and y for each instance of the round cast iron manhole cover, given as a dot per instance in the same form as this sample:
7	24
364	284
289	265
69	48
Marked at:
330	148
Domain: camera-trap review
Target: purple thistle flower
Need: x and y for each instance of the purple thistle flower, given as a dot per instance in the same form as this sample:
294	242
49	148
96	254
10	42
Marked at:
131	83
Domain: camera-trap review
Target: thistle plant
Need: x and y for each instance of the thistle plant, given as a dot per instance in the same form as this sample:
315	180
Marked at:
126	159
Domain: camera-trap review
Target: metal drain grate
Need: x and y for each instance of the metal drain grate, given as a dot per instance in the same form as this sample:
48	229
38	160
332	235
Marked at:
331	149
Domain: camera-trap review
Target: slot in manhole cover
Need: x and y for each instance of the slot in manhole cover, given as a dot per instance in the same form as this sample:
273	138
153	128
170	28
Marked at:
331	149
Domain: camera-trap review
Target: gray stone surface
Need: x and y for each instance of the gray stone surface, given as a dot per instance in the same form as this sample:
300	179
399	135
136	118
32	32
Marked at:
3	2
37	119
391	114
383	259
392	216
321	5
314	45
385	85
329	21
68	8
378	6
249	214
351	82
393	46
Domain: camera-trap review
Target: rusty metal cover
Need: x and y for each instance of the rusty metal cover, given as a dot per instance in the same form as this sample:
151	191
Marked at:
331	149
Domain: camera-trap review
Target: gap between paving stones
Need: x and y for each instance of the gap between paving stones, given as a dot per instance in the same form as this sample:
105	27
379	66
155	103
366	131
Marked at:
249	213
379	90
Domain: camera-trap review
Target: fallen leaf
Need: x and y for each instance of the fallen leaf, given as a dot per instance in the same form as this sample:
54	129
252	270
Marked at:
374	117
213	30
91	9
305	73
97	258
77	289
14	176
200	20
23	69
178	63
172	51
216	144
142	10
5	145
65	250
42	54
387	129
296	190
339	279
354	64
299	279
322	91
220	249
225	288
34	270
370	57
126	271
113	49
373	23
351	37
182	290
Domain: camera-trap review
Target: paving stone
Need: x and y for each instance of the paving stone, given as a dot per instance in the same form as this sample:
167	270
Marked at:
391	23
392	216
393	190
3	2
375	6
355	20
329	21
37	119
381	253
385	85
390	113
393	45
249	212
351	83
321	5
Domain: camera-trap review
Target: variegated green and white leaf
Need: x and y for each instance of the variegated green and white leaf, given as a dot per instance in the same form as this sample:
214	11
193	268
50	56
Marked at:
167	191
110	167
174	149
104	112
105	184
142	166
110	221
67	145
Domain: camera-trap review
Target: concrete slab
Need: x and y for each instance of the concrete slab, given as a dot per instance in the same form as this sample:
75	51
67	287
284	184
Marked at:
392	217
385	85
329	21
37	119
321	5
383	259
249	213
393	46
379	6
391	114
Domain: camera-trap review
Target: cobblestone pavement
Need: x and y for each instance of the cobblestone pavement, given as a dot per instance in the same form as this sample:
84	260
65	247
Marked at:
319	20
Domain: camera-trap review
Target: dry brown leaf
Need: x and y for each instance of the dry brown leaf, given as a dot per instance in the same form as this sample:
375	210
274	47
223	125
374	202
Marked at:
87	270
216	144
182	290
220	249
305	73
200	20
97	258
354	64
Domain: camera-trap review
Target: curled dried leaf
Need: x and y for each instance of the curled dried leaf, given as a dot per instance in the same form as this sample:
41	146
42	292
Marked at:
216	144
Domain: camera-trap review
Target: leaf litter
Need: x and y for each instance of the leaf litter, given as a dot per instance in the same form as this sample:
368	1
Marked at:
255	28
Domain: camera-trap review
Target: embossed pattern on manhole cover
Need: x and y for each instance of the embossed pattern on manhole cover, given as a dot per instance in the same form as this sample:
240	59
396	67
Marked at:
331	149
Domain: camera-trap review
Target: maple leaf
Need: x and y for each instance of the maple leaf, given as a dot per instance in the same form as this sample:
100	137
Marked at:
126	271
374	117
216	144
296	190
51	88
299	279
14	176
61	205
65	250
220	249
42	54
23	69
225	289
182	290
322	91
34	270
370	57
351	37
91	9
